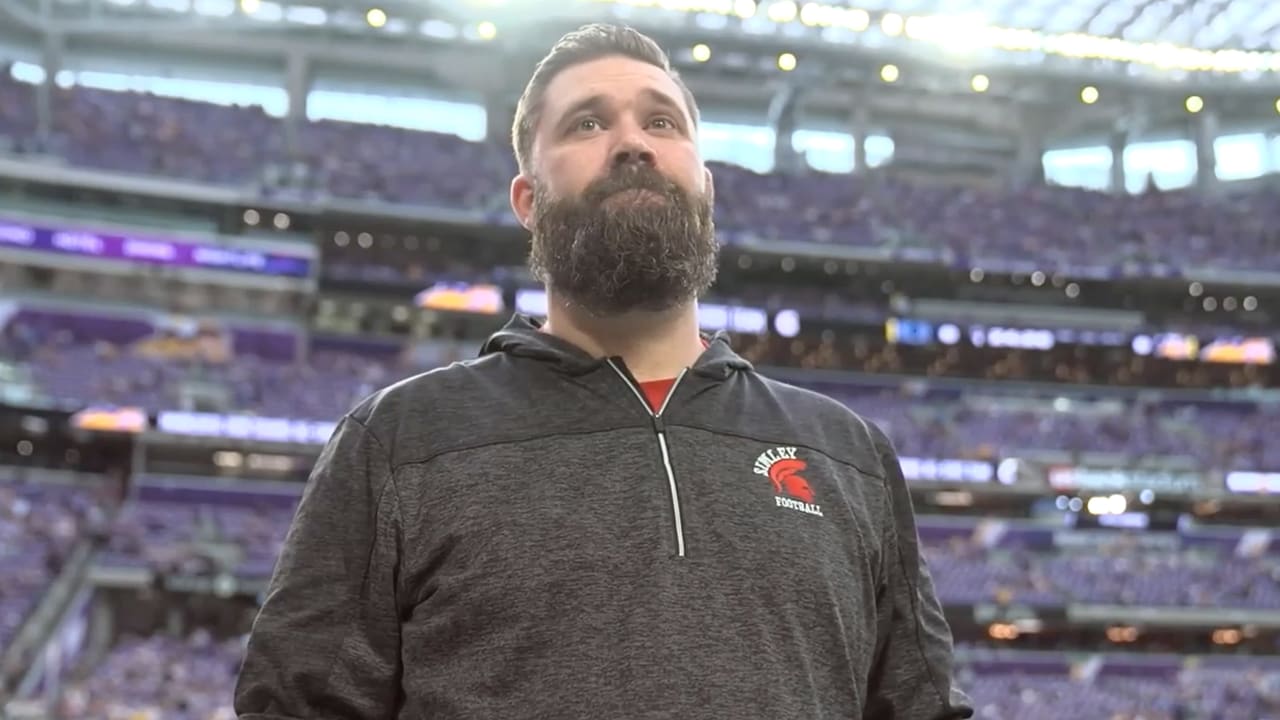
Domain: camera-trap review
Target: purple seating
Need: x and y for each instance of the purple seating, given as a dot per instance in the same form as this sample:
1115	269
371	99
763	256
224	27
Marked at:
39	526
201	531
91	359
1046	227
159	678
966	573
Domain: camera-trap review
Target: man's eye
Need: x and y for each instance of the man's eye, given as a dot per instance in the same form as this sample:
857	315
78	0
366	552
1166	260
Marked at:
663	123
587	124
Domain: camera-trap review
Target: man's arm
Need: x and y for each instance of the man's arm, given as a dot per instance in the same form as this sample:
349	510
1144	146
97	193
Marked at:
326	642
912	675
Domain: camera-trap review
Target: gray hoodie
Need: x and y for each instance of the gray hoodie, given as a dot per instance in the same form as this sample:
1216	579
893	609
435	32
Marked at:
521	536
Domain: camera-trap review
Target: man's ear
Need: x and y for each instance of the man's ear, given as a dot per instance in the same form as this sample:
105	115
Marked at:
522	200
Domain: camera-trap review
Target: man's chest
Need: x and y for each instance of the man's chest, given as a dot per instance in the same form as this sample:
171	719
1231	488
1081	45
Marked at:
602	507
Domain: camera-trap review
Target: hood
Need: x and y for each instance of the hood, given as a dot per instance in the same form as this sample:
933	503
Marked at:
522	337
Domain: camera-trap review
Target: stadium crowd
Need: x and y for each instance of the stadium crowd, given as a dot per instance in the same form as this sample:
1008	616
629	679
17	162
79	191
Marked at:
190	676
1048	226
156	370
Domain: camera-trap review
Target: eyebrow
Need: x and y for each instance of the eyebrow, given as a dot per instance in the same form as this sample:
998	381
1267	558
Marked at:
598	101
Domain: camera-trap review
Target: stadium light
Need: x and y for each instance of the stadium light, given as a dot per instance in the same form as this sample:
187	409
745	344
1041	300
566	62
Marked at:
889	73
818	15
376	17
1278	105
786	62
980	83
1089	95
701	52
783	12
1195	104
487	30
892	24
1250	303
249	7
953	31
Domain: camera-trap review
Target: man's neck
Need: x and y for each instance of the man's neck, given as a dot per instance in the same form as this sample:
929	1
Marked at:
654	345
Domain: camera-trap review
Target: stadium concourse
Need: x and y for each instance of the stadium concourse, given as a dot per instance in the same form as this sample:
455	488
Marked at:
1080	381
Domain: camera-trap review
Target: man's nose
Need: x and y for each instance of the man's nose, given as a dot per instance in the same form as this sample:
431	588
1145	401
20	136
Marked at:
633	148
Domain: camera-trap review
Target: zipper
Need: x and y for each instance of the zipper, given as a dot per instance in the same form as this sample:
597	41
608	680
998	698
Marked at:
660	431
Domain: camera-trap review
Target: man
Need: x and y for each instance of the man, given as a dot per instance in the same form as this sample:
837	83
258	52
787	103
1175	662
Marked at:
606	515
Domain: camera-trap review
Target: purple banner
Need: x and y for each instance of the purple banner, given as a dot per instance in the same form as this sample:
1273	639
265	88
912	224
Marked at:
150	250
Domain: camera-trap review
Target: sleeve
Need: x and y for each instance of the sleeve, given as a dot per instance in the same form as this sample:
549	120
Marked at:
326	641
912	677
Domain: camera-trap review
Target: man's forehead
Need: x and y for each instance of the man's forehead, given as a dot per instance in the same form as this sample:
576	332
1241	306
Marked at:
617	78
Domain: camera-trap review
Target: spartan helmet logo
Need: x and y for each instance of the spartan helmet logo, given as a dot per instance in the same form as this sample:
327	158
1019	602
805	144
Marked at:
785	475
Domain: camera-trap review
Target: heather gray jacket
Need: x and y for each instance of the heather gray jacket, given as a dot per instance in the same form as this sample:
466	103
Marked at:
520	537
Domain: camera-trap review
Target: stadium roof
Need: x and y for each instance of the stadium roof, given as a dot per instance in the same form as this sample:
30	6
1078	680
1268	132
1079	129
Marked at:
1205	24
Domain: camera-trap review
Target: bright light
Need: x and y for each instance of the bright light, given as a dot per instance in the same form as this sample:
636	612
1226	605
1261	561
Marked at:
1195	104
786	62
889	73
1089	95
701	52
487	30
891	24
980	83
1118	504
961	32
375	17
1250	303
783	12
1278	105
249	7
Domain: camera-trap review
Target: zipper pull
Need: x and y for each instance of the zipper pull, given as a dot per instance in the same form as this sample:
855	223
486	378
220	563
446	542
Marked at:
659	426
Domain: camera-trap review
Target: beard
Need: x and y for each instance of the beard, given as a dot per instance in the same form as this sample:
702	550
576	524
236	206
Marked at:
633	240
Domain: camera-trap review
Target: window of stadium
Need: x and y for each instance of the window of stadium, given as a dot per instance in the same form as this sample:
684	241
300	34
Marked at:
1240	157
748	146
466	120
1086	167
1170	164
830	151
273	100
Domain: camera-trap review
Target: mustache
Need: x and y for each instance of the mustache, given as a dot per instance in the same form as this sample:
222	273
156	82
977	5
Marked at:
631	177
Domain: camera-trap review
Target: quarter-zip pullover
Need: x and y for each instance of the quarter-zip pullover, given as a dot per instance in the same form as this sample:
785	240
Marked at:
524	536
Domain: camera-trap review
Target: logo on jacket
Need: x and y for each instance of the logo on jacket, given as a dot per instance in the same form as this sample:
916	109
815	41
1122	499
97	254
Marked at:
790	489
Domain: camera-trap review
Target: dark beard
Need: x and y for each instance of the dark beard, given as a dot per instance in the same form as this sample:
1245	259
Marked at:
645	253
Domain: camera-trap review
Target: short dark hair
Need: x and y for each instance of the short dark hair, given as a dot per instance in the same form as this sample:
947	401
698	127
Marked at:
587	43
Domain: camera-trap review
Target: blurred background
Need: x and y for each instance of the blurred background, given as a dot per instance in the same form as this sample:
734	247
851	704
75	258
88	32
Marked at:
1037	241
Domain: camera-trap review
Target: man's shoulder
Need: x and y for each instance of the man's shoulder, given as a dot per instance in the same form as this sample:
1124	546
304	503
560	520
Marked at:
840	430
817	404
430	403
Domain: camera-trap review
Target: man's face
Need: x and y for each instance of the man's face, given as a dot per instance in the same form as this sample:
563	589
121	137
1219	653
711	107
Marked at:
617	197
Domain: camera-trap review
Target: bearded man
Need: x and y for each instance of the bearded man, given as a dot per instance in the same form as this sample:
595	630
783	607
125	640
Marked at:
607	514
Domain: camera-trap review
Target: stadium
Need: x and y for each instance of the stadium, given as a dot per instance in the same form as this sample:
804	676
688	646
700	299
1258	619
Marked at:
1038	244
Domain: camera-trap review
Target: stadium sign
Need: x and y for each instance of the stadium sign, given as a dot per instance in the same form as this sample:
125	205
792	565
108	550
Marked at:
244	427
1112	480
1254	483
947	471
151	250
